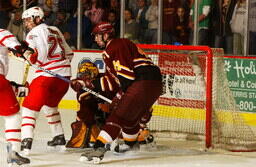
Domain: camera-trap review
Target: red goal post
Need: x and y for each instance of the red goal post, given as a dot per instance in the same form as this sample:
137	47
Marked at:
196	100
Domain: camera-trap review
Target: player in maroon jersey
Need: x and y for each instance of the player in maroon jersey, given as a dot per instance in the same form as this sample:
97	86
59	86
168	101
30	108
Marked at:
140	86
93	111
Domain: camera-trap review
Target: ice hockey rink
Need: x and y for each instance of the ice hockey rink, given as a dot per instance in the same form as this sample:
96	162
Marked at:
167	152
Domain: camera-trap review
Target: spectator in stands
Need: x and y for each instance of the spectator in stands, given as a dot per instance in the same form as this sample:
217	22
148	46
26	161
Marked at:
61	21
169	14
15	25
140	15
5	6
252	27
18	4
95	12
68	6
72	31
152	18
49	5
131	26
181	32
223	11
49	16
131	4
114	5
115	22
205	7
186	5
237	24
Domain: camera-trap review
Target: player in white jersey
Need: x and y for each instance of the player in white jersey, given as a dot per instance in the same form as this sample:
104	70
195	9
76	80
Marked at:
46	91
9	106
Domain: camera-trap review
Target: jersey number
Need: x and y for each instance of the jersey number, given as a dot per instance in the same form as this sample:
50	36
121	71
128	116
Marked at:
55	40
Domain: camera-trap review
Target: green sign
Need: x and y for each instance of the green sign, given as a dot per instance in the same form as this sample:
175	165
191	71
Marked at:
241	75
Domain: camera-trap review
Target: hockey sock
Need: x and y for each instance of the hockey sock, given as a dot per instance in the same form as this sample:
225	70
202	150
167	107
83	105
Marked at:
130	137
28	122
54	120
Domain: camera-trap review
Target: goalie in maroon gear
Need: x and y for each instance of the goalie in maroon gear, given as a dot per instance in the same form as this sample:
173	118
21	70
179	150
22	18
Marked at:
90	117
139	82
93	111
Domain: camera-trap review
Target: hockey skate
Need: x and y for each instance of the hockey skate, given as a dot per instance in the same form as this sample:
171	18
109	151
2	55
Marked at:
144	140
26	145
124	146
148	140
57	143
145	137
14	158
95	155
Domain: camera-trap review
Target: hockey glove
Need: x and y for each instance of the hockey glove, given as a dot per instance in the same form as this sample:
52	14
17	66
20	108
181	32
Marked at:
20	90
77	84
115	101
20	49
31	55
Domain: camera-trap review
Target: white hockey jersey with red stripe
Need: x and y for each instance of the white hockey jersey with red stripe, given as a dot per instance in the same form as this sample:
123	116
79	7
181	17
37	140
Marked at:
53	52
7	39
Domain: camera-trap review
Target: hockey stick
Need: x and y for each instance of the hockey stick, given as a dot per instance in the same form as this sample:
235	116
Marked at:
25	77
63	78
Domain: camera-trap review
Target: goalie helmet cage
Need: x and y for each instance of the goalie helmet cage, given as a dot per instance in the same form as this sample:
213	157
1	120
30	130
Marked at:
196	101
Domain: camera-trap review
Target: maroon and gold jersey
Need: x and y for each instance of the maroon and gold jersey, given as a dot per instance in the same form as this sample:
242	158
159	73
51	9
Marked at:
125	63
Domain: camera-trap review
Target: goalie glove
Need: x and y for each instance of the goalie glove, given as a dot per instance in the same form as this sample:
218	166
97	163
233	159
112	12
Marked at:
20	90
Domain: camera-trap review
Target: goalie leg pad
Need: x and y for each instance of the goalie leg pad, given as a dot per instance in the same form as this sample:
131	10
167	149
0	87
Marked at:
95	130
82	135
79	130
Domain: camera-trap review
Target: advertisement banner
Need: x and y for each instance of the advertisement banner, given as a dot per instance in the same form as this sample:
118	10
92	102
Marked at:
241	75
183	84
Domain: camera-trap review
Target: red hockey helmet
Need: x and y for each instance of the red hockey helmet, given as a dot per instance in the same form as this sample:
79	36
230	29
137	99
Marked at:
103	27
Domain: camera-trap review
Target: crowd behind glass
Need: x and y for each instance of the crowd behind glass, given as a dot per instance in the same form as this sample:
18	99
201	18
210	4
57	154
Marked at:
222	23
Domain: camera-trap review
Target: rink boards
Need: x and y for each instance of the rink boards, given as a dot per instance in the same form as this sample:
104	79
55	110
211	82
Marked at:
69	101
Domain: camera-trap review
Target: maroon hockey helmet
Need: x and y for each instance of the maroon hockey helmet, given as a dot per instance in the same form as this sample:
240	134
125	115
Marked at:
103	27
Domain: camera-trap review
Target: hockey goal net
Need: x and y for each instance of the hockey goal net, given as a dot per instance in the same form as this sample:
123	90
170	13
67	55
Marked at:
196	101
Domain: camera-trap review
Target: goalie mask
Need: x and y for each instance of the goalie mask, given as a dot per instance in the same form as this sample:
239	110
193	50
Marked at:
87	70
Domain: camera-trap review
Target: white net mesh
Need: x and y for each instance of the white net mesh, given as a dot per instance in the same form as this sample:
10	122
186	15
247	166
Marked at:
182	107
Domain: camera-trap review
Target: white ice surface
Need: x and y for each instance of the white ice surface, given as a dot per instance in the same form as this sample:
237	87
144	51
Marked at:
167	153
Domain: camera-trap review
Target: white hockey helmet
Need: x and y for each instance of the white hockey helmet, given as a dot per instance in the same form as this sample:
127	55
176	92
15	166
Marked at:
33	12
